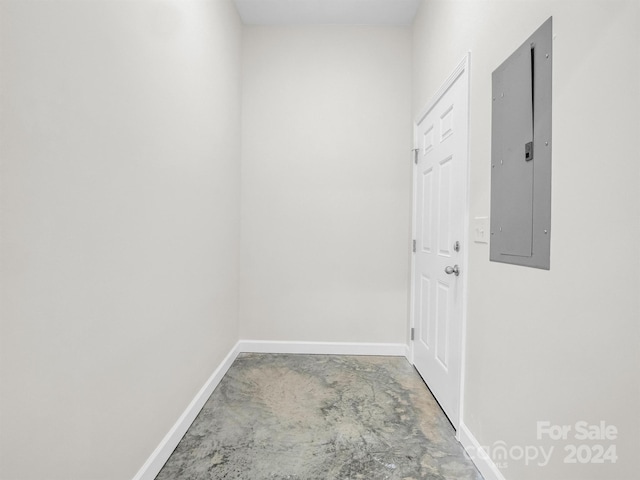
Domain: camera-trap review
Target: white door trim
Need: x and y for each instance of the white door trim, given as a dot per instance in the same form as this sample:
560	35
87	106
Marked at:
463	66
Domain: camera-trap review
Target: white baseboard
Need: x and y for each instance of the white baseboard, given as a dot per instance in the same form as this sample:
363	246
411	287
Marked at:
161	454
325	348
478	454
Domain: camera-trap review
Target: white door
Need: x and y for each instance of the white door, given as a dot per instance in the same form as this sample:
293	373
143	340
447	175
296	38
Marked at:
440	211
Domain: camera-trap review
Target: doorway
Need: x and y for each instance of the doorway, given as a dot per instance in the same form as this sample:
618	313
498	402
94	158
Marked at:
440	219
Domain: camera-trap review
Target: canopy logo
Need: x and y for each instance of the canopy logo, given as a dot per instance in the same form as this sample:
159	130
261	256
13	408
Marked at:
580	442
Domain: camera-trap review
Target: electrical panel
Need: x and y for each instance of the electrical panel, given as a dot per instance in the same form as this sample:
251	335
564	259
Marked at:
521	154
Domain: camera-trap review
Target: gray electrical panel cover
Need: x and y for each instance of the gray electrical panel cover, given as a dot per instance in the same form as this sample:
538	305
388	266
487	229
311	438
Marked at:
521	154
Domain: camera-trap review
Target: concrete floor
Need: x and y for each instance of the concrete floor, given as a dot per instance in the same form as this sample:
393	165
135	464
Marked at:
320	417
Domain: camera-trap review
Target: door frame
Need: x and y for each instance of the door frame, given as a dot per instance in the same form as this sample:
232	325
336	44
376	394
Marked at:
462	67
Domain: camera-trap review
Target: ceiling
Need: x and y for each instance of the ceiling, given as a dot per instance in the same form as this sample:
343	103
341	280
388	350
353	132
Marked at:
327	12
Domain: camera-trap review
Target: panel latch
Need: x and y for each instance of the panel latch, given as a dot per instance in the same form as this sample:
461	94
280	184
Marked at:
528	151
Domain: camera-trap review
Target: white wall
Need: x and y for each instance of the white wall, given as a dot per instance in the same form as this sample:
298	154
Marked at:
325	183
561	345
120	144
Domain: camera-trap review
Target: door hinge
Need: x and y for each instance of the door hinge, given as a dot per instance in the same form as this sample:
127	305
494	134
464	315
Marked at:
413	333
415	155
414	246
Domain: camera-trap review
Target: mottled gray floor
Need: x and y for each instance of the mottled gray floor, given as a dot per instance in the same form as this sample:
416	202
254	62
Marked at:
312	417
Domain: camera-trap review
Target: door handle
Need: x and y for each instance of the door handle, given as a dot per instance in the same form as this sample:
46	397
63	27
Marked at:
455	269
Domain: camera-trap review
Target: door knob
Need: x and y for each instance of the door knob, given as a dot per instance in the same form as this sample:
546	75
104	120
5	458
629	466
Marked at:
455	269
